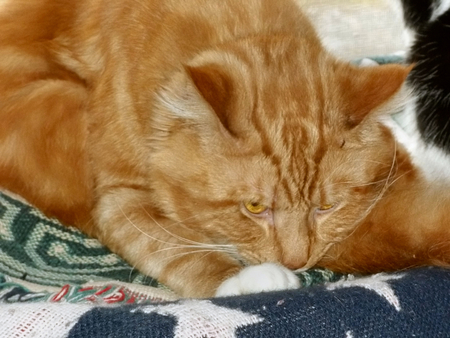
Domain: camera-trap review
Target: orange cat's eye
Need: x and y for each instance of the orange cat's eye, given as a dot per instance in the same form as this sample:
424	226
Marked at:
326	207
255	207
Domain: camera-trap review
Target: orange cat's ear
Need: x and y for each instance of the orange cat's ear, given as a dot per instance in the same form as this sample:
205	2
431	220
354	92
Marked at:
215	87
369	88
195	97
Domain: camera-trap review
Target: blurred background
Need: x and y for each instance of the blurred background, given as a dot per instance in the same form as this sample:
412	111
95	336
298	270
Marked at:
353	29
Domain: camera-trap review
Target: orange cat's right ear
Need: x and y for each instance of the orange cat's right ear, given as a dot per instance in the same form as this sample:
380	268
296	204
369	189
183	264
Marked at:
195	97
216	88
369	88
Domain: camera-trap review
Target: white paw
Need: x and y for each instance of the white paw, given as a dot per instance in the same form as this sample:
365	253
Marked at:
366	62
259	278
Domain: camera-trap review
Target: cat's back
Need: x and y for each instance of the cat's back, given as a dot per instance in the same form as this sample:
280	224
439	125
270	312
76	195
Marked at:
54	54
429	24
43	125
186	27
79	35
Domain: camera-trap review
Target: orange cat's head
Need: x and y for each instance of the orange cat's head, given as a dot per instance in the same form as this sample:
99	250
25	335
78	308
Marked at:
271	145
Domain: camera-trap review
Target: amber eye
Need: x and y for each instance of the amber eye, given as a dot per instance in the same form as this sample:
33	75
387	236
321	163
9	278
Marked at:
326	207
255	207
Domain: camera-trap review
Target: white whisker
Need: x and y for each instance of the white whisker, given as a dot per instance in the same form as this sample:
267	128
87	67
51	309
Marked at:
358	161
179	237
185	253
386	186
190	248
142	231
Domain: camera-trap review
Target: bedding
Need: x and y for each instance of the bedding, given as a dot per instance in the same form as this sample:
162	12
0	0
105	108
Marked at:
56	282
411	303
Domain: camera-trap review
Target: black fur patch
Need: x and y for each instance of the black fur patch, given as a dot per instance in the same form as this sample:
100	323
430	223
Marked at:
430	78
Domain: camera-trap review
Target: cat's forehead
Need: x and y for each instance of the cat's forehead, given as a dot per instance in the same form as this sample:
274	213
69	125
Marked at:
298	116
296	88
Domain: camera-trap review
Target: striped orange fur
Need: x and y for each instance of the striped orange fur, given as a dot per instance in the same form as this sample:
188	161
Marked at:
151	124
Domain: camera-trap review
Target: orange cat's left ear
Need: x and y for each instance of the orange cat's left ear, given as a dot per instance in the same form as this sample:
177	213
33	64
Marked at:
366	89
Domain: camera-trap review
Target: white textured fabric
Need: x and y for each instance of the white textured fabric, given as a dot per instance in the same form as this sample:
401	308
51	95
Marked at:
353	29
39	320
201	318
377	283
195	318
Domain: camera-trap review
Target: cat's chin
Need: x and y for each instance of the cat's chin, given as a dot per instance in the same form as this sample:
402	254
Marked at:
259	278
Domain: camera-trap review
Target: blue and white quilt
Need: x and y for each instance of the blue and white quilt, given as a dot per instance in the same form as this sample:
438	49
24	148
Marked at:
414	303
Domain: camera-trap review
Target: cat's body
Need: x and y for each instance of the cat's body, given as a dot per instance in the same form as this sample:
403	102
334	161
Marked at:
426	119
195	137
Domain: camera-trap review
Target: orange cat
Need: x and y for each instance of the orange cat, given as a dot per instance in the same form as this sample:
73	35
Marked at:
196	137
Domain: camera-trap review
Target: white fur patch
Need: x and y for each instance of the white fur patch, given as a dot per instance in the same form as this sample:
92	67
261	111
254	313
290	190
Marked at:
259	278
432	161
440	9
368	63
409	36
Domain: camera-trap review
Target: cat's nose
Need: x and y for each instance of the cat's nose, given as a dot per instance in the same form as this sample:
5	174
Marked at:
294	262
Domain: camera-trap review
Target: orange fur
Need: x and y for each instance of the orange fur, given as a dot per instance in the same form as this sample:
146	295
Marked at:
407	228
149	124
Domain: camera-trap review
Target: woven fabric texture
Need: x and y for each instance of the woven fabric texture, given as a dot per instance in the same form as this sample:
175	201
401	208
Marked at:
413	303
41	250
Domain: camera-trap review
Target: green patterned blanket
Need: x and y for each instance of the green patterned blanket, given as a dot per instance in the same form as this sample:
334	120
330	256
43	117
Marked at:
40	250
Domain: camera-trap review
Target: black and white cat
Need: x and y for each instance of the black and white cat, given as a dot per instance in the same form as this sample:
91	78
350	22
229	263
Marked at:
426	119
